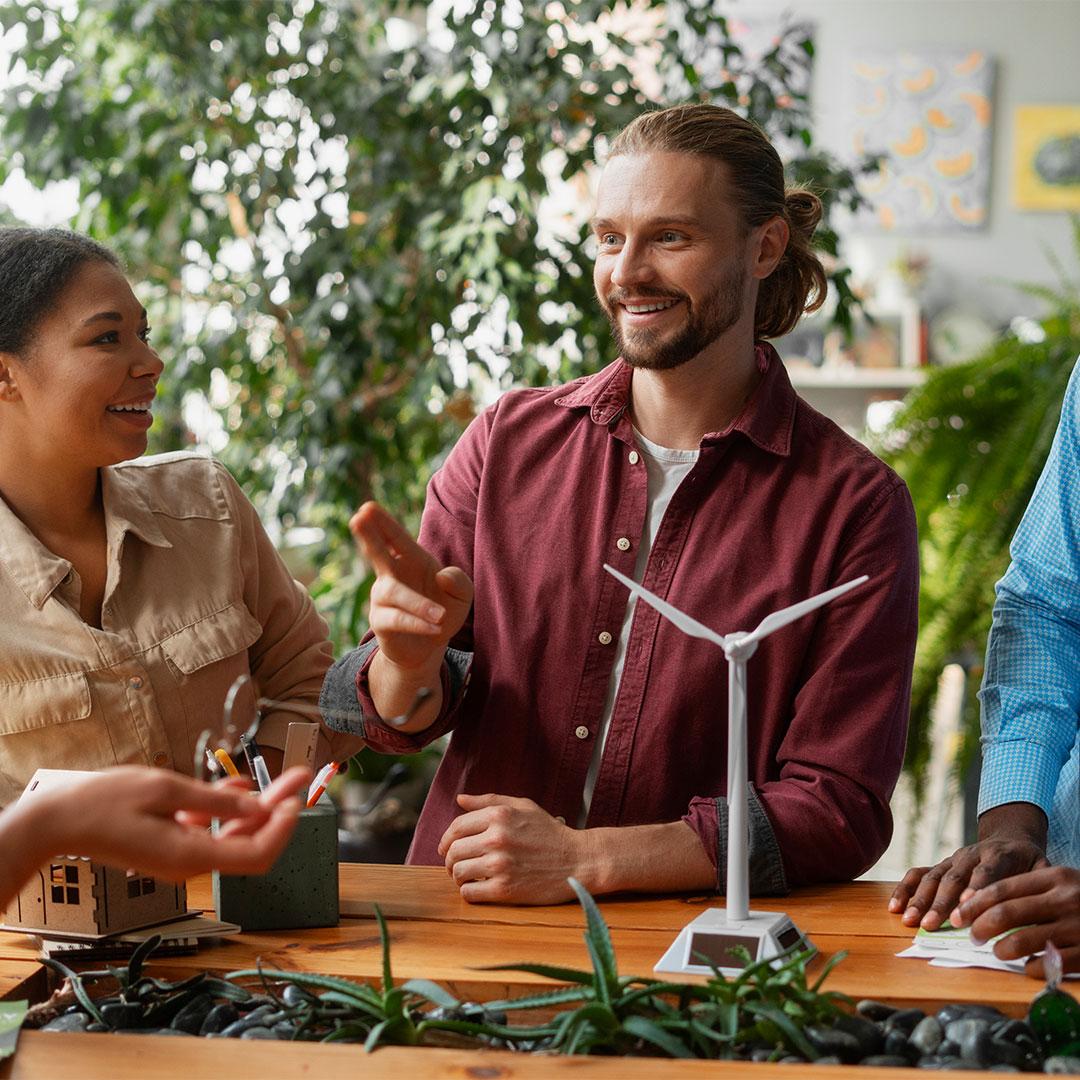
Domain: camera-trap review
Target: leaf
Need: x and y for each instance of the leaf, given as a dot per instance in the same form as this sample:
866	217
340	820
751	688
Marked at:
539	1001
77	987
140	955
355	991
795	1038
560	974
827	968
642	1028
431	991
597	937
495	1031
384	938
375	1035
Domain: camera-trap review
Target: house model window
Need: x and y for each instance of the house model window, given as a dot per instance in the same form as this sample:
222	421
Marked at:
139	886
75	898
65	884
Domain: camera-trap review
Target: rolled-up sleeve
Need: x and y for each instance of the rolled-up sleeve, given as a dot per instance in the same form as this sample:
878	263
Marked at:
842	752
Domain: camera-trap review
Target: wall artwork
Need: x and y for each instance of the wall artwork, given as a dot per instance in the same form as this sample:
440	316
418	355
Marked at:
1046	157
929	114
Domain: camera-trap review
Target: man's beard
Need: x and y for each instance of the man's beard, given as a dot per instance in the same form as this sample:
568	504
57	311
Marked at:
645	348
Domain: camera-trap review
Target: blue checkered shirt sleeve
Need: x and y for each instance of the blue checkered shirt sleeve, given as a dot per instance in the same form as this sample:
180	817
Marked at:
1031	690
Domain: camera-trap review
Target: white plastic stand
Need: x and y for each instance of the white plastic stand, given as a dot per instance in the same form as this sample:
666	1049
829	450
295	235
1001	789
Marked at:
711	937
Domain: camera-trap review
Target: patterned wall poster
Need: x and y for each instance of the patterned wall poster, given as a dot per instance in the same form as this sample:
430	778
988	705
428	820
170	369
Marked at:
930	114
1046	157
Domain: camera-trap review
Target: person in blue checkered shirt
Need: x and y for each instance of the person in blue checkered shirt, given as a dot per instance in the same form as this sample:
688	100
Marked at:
1029	801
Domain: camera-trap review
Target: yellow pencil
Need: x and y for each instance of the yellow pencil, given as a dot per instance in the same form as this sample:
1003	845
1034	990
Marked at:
226	762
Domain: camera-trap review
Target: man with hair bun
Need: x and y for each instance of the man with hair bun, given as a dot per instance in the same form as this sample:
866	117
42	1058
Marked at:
589	735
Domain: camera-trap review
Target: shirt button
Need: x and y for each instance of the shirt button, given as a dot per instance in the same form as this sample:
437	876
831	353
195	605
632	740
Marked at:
634	457
622	544
582	732
135	682
160	759
604	637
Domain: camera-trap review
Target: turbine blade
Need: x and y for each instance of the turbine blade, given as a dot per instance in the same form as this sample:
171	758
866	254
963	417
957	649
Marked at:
683	621
787	615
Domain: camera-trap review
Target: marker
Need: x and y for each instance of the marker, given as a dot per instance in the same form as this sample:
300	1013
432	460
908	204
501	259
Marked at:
318	785
226	763
214	767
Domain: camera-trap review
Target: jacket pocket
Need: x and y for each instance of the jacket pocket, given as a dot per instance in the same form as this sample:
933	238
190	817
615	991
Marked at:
40	703
214	637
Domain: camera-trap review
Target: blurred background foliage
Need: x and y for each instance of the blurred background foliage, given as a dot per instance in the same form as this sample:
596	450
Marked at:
354	223
971	443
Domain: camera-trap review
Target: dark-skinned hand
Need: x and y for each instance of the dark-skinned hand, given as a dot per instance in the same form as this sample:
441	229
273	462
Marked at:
1044	903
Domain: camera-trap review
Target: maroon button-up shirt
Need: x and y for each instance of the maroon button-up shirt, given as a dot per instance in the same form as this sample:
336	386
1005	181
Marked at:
780	506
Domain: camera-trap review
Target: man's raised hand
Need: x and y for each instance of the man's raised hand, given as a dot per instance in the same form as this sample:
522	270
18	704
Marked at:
416	608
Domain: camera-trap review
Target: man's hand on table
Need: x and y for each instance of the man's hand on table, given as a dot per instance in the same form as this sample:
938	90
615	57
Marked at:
1012	840
1045	903
417	606
508	850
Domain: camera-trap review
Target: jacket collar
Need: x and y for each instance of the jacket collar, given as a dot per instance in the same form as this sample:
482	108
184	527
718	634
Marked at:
766	420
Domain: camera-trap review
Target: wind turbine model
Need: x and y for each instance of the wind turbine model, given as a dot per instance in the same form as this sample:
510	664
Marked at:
715	932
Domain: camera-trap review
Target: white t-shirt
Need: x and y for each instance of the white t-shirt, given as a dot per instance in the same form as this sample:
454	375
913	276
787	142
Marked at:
665	469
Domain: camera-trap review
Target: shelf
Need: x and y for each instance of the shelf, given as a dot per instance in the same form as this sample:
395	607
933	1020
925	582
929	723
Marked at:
853	378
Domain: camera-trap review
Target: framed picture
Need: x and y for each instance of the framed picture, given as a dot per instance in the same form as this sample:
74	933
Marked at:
929	114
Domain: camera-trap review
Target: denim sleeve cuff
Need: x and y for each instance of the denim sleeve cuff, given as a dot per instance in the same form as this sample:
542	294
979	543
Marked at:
338	696
709	819
1016	770
346	691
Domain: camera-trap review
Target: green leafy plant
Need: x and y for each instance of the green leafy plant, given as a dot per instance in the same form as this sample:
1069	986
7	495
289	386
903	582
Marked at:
334	211
383	1015
970	443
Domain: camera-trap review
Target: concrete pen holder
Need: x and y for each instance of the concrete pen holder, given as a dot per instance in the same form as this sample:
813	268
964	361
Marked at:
299	891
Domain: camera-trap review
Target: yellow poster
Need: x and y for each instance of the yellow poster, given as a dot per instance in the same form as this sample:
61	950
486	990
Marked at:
1046	157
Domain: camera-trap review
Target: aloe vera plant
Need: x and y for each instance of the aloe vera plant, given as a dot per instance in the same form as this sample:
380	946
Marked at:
770	1010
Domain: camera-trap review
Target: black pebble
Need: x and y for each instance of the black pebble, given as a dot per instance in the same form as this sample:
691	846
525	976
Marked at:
219	1018
904	1021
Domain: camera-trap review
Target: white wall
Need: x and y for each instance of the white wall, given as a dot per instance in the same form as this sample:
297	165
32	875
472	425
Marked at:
1036	44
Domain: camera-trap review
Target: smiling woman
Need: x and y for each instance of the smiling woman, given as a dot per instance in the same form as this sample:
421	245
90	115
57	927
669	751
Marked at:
132	592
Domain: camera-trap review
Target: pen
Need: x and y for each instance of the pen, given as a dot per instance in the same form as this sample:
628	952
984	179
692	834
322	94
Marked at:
226	763
318	785
256	762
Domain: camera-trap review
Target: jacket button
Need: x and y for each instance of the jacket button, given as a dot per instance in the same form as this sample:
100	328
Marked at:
634	457
604	637
160	759
581	731
622	544
135	682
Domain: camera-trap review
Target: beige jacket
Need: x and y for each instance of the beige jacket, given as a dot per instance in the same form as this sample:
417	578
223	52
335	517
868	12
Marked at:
195	596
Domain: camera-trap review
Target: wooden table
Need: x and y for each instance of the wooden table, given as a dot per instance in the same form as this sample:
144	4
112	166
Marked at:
435	934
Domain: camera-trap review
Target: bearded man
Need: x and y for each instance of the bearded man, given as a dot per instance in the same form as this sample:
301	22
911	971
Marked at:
589	734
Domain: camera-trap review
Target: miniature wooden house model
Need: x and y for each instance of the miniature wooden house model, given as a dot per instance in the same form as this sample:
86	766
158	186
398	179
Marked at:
78	897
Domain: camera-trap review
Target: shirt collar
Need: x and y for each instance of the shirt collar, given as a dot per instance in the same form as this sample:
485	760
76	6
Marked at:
127	509
38	571
30	564
766	419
